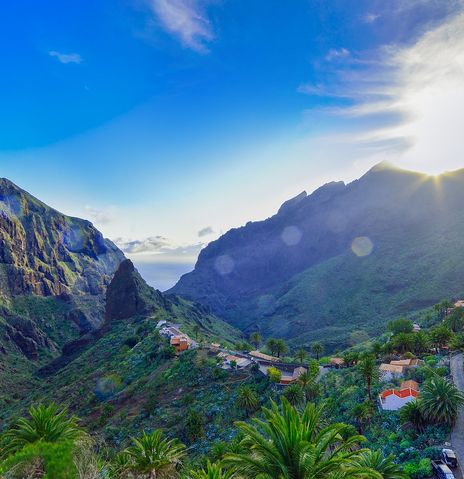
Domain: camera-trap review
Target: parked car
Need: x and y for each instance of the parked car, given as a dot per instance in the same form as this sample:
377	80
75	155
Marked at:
449	457
441	470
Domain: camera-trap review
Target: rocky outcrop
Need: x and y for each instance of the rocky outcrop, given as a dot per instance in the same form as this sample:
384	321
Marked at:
25	336
129	295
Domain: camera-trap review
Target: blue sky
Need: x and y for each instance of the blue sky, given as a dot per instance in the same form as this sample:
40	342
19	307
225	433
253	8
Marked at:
167	122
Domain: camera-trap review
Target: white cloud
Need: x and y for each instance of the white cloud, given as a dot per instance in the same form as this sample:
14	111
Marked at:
370	17
152	244
186	20
407	107
100	216
336	54
66	57
158	249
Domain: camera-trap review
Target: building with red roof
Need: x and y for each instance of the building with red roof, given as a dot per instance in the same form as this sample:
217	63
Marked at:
395	399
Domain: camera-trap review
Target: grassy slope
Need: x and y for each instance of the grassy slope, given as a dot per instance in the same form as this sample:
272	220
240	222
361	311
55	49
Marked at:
347	292
119	390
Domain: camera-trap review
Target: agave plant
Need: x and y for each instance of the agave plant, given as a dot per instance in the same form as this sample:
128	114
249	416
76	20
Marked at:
212	471
290	445
153	454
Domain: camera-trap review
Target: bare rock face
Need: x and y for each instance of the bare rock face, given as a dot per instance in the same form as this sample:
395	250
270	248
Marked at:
128	295
46	253
51	260
25	336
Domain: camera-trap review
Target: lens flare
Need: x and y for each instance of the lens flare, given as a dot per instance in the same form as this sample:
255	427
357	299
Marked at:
291	235
362	246
224	264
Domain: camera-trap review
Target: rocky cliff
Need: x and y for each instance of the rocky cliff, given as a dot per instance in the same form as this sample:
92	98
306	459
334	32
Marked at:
54	272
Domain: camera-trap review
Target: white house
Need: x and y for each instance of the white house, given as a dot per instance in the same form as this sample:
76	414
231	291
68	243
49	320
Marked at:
395	399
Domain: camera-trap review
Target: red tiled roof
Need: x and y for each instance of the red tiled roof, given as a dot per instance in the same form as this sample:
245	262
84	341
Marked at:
403	393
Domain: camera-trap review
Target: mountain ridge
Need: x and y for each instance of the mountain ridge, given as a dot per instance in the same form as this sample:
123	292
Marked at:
245	276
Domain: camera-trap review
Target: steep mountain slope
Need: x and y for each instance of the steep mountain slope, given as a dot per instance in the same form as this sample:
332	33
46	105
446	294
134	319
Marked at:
54	271
124	376
343	258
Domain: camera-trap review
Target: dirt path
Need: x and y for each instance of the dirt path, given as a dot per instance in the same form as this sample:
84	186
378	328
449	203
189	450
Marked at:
457	436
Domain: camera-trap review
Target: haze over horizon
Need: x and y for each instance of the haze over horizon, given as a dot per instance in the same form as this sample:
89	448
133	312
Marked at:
216	112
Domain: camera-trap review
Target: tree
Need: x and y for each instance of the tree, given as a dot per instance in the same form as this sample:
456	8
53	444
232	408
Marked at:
301	355
411	414
247	399
153	455
455	321
363	413
196	331
401	325
310	386
290	445
457	343
403	342
440	336
281	347
440	401
369	371
47	424
194	425
442	308
421	343
377	349
384	465
294	394
274	375
212	471
271	343
317	349
255	339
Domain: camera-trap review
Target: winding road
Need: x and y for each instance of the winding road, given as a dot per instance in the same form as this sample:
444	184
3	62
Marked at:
457	436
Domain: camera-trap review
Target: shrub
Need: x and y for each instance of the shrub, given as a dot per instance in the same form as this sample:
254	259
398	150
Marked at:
418	469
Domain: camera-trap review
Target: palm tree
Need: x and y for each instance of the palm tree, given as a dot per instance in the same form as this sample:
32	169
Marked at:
317	348
384	465
294	394
440	401
411	414
255	339
363	413
152	454
281	347
212	471
247	399
272	345
369	371
289	445
47	424
301	355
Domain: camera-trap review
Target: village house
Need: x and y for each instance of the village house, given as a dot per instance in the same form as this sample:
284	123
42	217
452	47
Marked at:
389	372
459	303
395	399
337	362
229	361
180	343
288	378
264	357
397	368
416	328
408	363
